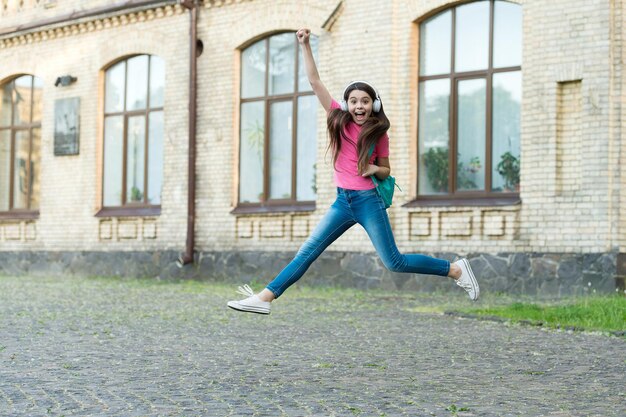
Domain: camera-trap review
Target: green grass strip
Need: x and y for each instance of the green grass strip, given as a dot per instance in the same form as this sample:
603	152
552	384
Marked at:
604	313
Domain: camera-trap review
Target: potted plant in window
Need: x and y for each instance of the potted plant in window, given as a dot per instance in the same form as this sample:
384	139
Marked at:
256	139
436	163
136	195
465	174
508	167
255	135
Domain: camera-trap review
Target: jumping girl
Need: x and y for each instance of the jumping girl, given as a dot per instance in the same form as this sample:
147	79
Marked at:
354	125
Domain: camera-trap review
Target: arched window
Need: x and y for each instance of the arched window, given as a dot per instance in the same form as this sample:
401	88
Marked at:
133	134
470	89
278	127
20	145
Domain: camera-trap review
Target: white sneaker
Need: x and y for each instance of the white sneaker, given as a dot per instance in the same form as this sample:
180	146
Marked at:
468	280
252	304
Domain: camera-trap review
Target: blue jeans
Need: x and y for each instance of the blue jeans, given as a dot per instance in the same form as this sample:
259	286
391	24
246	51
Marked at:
366	208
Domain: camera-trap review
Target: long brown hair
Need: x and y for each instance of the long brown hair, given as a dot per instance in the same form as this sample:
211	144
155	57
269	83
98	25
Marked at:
371	131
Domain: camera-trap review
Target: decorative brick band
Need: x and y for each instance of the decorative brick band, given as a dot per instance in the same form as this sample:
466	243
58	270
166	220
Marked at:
90	26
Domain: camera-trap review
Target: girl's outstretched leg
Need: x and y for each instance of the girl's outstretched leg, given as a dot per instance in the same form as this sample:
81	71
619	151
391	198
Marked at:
332	225
376	223
336	221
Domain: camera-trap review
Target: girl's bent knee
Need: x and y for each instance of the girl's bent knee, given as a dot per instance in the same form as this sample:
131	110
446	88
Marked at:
397	266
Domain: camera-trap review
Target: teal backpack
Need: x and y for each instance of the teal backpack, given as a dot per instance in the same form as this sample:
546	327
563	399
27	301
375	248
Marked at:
386	187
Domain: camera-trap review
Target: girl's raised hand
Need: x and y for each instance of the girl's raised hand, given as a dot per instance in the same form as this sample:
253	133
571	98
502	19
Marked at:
303	36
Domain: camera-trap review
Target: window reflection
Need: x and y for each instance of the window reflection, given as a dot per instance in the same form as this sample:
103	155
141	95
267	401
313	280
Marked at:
454	106
282	64
434	136
253	66
155	157
6	105
21	167
251	152
133	132
113	157
135	159
507	38
274	88
5	169
436	45
114	88
306	187
137	83
20	143
281	123
507	102
472	37
22	100
35	169
471	140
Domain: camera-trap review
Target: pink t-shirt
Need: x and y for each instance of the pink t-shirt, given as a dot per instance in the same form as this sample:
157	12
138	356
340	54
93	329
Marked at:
346	168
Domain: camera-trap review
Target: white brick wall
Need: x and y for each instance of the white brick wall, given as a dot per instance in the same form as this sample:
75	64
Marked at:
70	184
572	116
566	43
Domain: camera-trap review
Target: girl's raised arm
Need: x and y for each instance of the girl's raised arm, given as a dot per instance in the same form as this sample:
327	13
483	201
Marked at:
311	69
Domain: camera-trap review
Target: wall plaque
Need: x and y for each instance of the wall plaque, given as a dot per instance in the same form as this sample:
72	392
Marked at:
66	126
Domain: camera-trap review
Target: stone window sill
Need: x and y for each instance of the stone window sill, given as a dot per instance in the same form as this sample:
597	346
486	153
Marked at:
129	211
511	200
269	209
19	215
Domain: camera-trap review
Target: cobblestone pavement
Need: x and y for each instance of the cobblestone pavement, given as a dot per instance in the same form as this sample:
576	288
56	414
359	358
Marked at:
105	347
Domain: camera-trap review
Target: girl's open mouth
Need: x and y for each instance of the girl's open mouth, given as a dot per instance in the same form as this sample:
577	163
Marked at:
359	116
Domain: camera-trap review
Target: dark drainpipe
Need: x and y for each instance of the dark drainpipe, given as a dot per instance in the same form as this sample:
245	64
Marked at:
187	257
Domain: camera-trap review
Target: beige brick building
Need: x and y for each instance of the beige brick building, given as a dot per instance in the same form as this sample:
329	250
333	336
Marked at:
551	78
